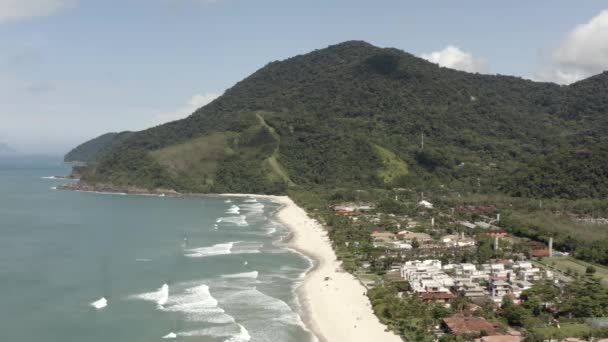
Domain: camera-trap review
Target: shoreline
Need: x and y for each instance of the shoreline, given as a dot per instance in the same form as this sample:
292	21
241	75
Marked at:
333	302
334	309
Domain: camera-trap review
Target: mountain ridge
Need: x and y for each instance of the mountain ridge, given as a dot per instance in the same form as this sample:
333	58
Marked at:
321	119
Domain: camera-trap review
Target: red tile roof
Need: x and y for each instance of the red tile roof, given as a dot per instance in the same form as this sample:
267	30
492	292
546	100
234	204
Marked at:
437	295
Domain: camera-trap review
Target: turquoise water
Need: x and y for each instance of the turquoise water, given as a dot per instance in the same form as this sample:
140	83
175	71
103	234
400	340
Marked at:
189	268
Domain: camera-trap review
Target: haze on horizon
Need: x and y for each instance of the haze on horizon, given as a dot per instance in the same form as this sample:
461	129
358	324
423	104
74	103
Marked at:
71	70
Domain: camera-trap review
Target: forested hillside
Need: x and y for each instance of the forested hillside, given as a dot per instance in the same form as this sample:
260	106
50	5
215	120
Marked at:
93	149
353	116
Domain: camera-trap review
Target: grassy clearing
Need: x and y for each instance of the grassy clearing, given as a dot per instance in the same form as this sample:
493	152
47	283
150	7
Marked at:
279	170
565	330
566	264
200	154
561	224
275	166
393	166
552	217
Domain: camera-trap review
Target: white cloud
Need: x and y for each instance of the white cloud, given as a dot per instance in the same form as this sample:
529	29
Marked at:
195	102
455	58
582	53
14	10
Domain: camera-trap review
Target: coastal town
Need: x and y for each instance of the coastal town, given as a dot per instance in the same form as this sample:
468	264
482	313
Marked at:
438	273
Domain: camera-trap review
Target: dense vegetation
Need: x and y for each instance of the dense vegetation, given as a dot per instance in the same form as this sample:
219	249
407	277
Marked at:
353	115
94	149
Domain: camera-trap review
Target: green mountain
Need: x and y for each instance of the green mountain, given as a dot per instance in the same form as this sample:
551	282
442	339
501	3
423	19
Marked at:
354	115
94	149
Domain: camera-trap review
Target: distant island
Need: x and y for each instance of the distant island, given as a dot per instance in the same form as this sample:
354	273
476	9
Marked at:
493	187
6	149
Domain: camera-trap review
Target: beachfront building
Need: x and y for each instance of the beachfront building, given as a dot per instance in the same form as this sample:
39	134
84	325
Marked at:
352	208
426	276
425	204
493	280
467	224
410	236
457	241
526	271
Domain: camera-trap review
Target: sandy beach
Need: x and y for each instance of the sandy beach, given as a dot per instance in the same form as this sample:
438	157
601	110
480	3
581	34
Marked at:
336	310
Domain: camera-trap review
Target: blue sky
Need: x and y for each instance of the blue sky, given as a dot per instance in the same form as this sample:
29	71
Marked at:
73	69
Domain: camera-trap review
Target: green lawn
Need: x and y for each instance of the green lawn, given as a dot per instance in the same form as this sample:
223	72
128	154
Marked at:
565	330
568	263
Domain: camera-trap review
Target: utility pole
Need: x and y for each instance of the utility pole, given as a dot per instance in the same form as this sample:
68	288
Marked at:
422	142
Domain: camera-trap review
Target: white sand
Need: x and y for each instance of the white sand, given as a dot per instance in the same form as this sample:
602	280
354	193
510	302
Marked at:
337	309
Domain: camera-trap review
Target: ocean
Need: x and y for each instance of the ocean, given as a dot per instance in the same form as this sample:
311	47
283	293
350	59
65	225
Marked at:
78	266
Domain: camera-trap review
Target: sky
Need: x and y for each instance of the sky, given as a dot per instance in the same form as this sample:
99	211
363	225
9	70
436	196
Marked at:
71	70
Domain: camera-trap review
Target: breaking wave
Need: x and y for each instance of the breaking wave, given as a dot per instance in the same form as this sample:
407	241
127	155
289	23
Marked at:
251	275
218	249
240	220
253	208
100	303
270	308
235	332
160	296
242	336
223	249
195	302
234	209
170	336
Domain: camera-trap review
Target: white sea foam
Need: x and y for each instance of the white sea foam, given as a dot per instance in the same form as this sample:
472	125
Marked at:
271	230
251	275
160	296
234	209
227	201
231	330
170	336
223	249
53	188
246	247
218	249
242	336
194	300
100	303
251	200
104	192
269	308
253	208
50	177
240	220
198	305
